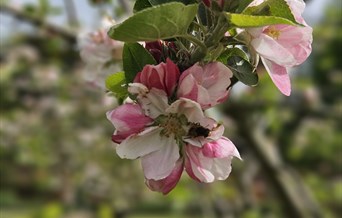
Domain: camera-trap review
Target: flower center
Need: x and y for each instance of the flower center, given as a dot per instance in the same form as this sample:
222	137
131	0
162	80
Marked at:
172	124
273	32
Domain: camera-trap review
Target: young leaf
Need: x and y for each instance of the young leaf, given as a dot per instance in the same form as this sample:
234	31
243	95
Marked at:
135	57
276	8
238	62
244	73
232	52
117	84
242	20
269	12
160	22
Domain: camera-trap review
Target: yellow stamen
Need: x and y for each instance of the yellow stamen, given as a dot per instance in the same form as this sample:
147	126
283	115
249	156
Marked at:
273	32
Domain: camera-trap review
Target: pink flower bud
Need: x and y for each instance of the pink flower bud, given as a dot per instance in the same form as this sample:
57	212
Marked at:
127	119
208	3
206	85
156	49
167	184
163	76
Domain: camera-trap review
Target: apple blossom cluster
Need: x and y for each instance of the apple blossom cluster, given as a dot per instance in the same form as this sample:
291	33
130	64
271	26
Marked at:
166	126
181	58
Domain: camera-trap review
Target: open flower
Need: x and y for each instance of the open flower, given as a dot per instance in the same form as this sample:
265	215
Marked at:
178	134
206	84
283	46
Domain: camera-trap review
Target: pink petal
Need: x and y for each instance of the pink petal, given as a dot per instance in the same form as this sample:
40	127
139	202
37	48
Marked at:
188	87
171	76
279	76
167	184
207	169
197	163
206	85
270	49
159	164
127	119
220	148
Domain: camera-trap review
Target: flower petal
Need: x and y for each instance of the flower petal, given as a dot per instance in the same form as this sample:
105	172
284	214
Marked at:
220	148
279	76
208	169
191	109
167	184
159	164
154	102
141	144
127	119
270	49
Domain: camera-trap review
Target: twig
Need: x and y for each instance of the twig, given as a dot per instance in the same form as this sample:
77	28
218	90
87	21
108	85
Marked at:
36	21
296	199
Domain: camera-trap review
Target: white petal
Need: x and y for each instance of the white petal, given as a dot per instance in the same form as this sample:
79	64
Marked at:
191	109
141	144
154	103
159	164
270	49
221	168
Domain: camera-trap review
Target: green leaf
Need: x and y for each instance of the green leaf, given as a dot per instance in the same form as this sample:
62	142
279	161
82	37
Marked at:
276	8
135	57
141	5
117	84
270	12
242	20
160	22
238	62
232	52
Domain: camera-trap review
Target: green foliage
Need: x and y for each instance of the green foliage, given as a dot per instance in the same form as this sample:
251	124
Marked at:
243	4
243	20
238	62
134	58
269	12
117	84
160	22
143	4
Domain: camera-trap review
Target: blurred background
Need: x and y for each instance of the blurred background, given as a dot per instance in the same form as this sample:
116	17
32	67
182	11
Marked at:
56	155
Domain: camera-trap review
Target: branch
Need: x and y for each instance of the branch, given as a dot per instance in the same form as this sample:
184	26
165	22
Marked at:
36	21
296	199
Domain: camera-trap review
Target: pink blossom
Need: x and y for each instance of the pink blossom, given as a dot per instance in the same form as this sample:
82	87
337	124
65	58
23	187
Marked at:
163	76
283	46
159	146
127	119
167	184
206	85
212	161
99	52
